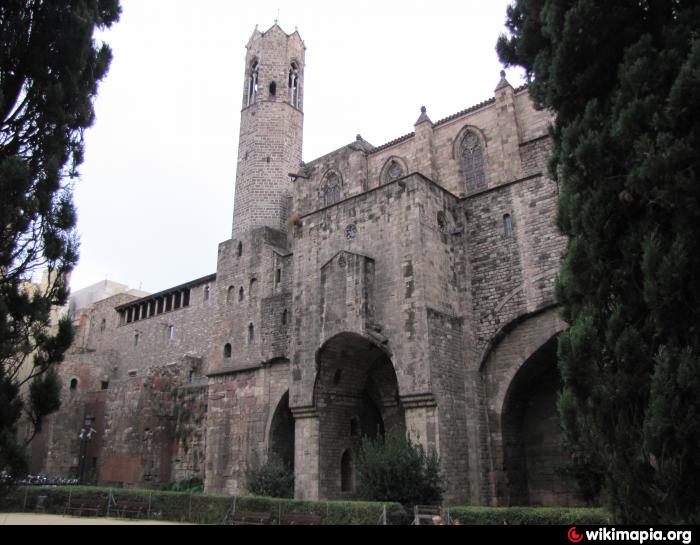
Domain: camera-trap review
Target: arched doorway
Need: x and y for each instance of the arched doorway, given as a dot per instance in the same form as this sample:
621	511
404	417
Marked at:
356	396
532	454
281	445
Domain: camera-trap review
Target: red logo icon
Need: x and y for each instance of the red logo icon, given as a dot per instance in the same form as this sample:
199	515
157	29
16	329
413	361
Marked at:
574	536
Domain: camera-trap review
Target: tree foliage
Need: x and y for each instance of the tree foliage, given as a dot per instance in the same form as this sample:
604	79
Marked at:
393	468
622	79
50	68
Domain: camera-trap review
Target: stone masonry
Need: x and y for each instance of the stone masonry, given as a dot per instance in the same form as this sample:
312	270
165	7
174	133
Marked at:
408	285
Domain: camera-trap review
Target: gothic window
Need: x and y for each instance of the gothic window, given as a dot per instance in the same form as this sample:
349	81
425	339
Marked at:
331	188
472	155
229	295
294	85
74	384
240	249
253	82
251	334
241	295
393	171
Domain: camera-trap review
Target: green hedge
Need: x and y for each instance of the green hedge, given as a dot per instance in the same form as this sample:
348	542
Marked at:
530	516
202	509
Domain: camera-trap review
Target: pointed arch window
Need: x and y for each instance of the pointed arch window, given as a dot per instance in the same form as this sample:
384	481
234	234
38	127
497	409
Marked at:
472	155
393	171
331	189
253	82
294	85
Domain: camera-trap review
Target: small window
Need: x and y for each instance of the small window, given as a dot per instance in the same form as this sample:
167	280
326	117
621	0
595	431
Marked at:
105	385
278	276
171	332
508	226
103	324
240	249
273	89
251	334
285	317
227	351
186	298
337	377
241	295
229	294
253	82
207	292
73	385
136	339
294	85
253	286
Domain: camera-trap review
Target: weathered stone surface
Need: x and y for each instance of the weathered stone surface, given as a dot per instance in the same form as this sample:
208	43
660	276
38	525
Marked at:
377	289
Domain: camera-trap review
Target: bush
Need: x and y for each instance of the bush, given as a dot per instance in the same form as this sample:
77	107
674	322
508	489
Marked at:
195	486
491	516
273	480
393	468
202	509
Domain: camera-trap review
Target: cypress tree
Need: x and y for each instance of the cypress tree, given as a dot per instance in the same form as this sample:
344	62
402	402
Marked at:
50	68
622	79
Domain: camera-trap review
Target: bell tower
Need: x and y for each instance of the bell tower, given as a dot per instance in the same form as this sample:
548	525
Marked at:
271	130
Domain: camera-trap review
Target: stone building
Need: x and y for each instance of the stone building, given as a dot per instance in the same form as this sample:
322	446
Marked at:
407	285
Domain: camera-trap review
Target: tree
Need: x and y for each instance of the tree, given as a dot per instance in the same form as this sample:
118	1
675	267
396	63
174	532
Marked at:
393	468
622	79
50	68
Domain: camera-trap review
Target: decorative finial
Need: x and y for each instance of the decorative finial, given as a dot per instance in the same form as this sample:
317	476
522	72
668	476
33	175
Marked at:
423	110
358	137
503	73
278	16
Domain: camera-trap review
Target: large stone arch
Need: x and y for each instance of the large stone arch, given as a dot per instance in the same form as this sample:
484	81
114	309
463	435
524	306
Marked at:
521	382
356	394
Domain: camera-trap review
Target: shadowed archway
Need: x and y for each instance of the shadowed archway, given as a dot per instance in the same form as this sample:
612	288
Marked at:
356	395
281	446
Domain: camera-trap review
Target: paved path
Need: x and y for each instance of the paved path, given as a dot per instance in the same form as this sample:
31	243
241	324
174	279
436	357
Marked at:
32	519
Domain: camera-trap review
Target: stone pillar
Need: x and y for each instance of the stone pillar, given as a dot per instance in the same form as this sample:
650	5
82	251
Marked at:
421	415
306	455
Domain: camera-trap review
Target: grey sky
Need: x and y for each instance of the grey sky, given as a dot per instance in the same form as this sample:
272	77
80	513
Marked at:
156	193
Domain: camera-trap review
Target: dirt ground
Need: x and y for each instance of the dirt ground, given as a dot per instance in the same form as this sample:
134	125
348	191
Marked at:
32	519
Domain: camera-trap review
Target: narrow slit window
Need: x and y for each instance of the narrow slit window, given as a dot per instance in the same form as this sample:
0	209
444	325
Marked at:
508	226
227	351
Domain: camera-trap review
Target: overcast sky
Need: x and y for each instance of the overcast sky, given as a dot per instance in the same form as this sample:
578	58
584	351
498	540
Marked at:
156	193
